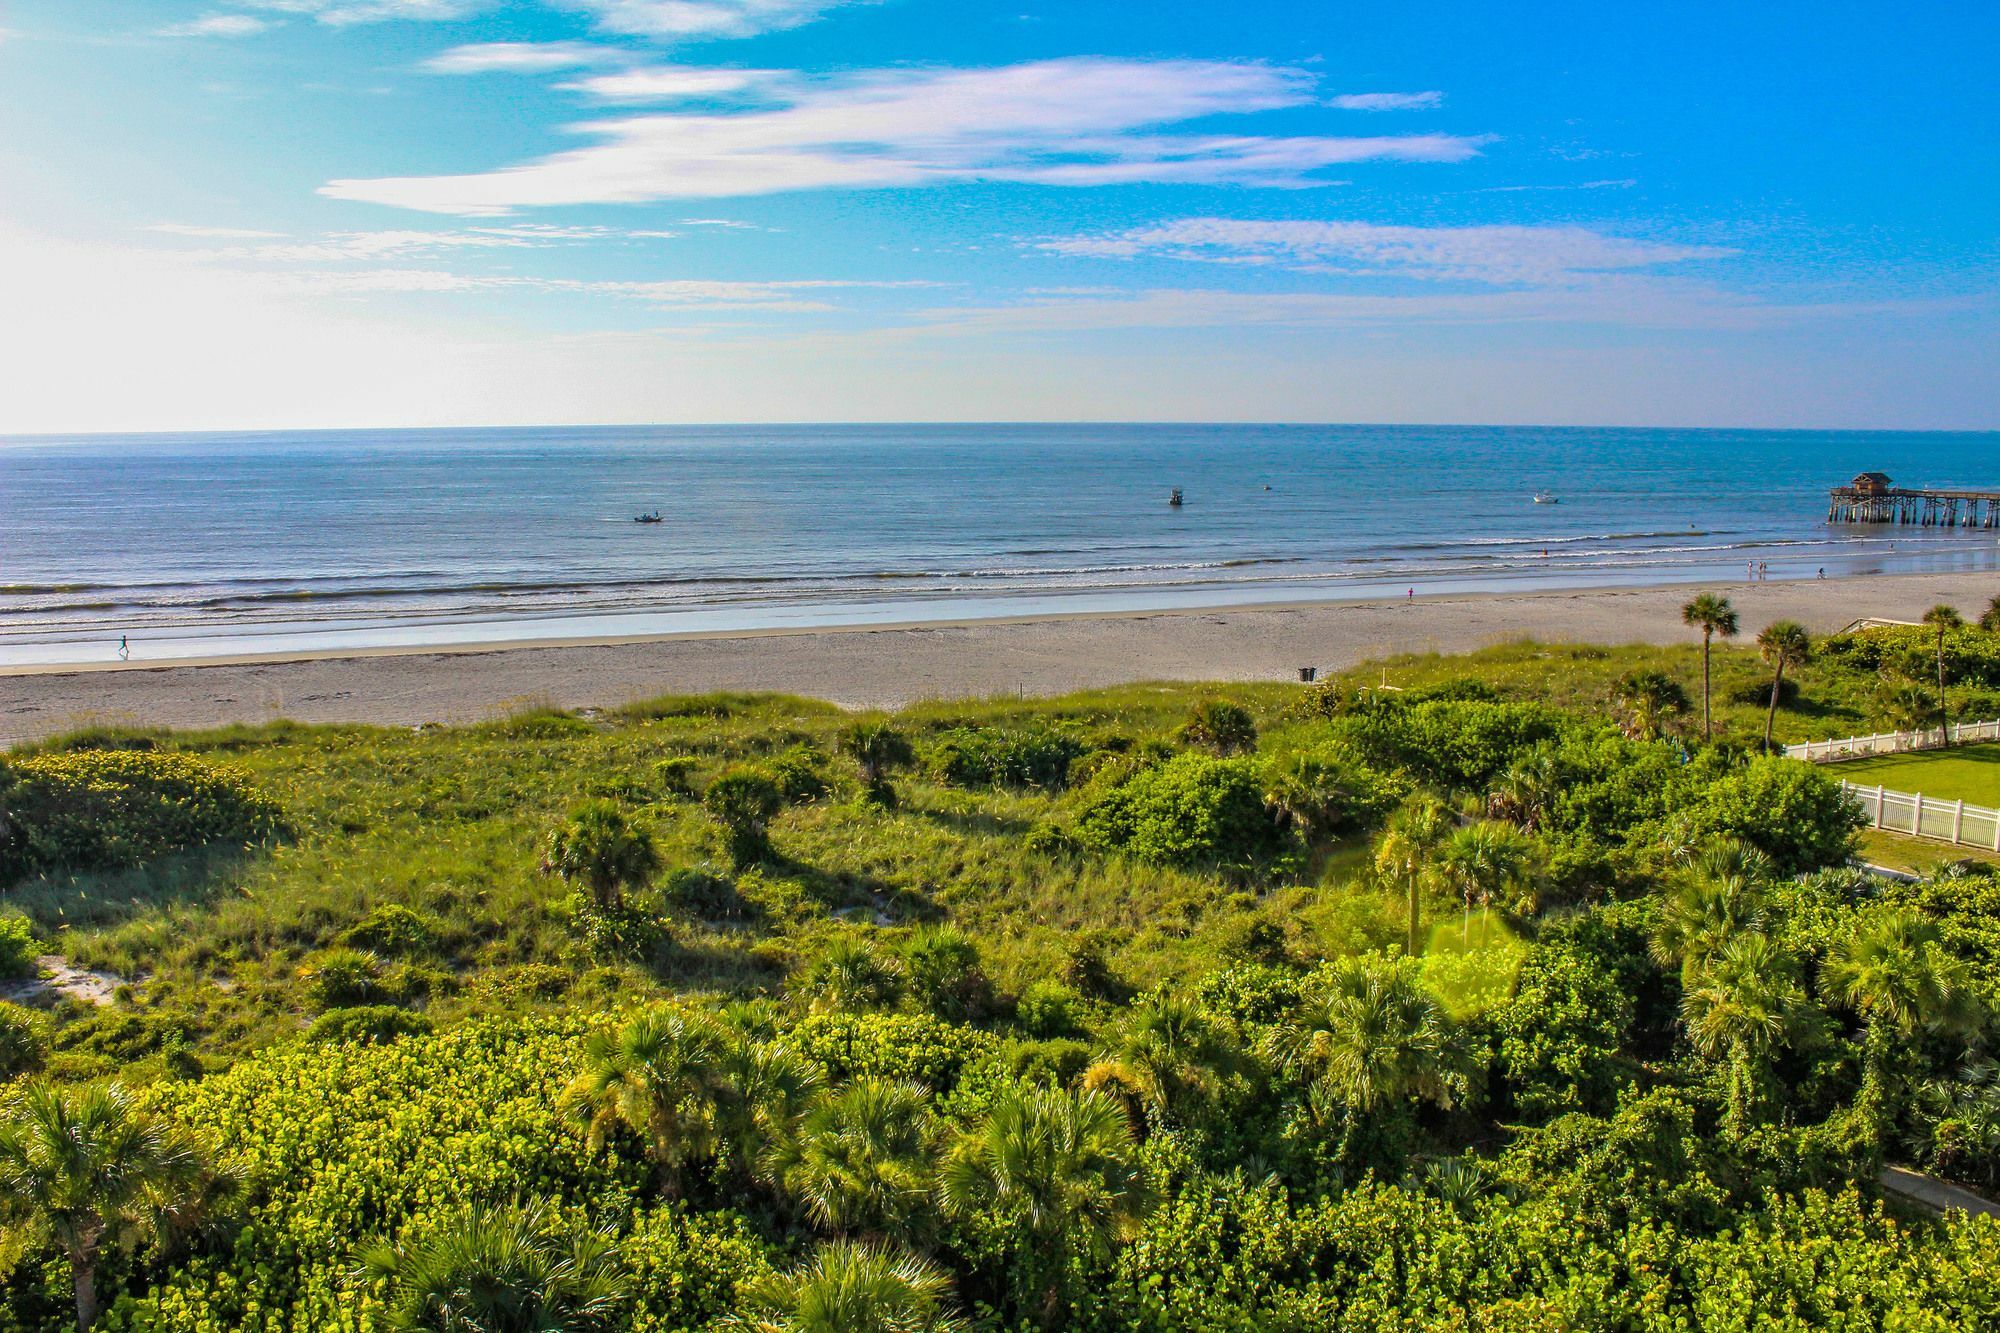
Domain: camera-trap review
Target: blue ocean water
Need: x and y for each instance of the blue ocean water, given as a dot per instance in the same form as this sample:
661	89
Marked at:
194	545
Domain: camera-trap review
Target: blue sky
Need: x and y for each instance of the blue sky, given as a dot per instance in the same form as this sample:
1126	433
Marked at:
251	213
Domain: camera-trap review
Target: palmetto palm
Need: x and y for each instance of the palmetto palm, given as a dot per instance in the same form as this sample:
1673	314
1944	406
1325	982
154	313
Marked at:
1371	1037
1745	1002
1405	852
1169	1053
1064	1166
860	1158
1943	618
1896	974
1483	859
851	975
93	1168
1703	910
1711	615
849	1288
509	1270
663	1074
1782	645
771	1087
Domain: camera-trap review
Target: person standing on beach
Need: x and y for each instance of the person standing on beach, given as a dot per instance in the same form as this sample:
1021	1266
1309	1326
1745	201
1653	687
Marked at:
124	648
1410	597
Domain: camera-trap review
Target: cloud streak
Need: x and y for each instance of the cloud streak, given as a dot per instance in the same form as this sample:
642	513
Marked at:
520	58
1511	255
1387	101
1075	121
702	18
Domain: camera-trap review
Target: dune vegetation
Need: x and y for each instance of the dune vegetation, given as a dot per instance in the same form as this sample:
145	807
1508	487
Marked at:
1475	992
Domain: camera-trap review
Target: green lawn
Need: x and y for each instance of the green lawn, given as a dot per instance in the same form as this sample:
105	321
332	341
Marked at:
1919	856
1970	773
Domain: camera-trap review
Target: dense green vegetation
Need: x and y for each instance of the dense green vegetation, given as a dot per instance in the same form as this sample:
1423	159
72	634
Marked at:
1499	999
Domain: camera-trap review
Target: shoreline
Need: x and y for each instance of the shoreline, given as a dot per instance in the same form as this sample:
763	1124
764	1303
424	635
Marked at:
889	665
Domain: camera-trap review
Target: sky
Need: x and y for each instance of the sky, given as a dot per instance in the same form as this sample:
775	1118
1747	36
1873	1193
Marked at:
251	214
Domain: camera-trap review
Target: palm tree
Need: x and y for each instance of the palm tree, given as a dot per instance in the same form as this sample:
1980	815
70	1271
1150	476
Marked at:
600	847
1482	859
1942	618
1649	700
1711	615
1745	1002
503	1271
1169	1052
1062	1166
1894	971
849	1288
1784	643
1989	619
663	1074
1406	849
1702	911
851	975
877	748
95	1169
1371	1037
771	1087
859	1159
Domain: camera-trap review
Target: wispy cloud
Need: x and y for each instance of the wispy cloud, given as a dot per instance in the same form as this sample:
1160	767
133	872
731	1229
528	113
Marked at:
340	13
1387	101
702	18
1078	121
521	57
787	297
212	233
216	25
1493	254
375	246
671	83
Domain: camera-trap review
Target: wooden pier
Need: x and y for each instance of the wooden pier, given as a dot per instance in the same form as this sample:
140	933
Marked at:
1873	498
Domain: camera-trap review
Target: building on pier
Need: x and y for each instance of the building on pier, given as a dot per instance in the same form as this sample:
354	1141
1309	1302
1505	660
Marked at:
1873	498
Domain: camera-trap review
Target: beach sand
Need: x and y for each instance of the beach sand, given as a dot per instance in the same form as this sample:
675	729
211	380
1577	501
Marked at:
890	666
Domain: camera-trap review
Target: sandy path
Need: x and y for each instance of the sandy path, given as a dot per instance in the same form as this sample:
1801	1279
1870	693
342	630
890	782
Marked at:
891	666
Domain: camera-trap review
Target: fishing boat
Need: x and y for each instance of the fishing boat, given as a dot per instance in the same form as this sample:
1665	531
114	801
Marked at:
1544	498
1174	500
653	517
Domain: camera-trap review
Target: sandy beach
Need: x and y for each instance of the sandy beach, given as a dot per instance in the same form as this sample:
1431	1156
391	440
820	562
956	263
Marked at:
889	666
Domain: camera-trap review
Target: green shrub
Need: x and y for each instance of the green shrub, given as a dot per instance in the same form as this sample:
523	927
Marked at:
1330	790
343	979
996	757
1190	811
674	775
602	850
1049	1009
797	774
368	1023
96	809
1792	812
945	974
17	946
743	800
917	1047
24	1040
396	930
1220	726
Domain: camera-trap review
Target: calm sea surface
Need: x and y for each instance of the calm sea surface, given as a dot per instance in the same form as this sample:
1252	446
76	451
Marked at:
203	544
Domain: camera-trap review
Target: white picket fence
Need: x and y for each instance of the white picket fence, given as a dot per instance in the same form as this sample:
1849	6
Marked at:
1891	742
1926	816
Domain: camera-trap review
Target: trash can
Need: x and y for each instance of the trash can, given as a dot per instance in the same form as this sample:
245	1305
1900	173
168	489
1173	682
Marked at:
1308	674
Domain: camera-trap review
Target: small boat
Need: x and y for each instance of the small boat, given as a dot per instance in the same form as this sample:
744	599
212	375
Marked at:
1544	498
1174	500
653	517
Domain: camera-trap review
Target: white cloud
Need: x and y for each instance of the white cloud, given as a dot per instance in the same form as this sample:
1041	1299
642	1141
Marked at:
342	12
520	57
212	233
1387	101
788	297
374	246
667	83
1497	254
217	25
702	18
1073	121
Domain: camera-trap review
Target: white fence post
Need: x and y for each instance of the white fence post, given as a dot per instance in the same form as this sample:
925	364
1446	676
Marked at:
1874	802
1891	742
1957	820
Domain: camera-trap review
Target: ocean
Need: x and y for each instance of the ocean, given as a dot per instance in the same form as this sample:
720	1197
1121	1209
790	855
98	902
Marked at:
204	545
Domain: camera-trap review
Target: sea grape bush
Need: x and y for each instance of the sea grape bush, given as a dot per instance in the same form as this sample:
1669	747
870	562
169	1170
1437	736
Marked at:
1192	810
93	809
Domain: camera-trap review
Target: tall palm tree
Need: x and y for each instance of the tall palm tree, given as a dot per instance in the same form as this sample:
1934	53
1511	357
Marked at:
1061	1165
1702	910
1745	1002
1406	852
860	1158
849	1288
1369	1038
1783	644
663	1074
509	1270
1712	615
98	1172
1169	1053
1943	618
1894	971
1482	859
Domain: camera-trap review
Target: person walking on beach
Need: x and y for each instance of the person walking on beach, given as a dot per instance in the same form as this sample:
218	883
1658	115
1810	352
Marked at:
124	648
1410	597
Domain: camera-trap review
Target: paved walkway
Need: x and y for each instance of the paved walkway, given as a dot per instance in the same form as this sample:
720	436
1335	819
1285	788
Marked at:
1934	1194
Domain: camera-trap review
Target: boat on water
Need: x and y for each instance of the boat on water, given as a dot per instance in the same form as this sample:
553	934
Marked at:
1544	498
653	517
1174	500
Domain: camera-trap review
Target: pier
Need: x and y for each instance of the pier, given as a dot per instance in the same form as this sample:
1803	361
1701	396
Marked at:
1873	498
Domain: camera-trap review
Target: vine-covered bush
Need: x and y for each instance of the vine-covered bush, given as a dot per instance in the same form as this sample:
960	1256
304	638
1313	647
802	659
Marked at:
1192	810
93	809
997	757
